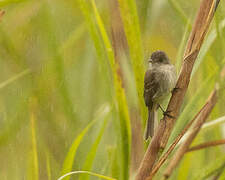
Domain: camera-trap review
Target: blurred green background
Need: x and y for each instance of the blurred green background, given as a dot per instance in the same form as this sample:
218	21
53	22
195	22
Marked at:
71	84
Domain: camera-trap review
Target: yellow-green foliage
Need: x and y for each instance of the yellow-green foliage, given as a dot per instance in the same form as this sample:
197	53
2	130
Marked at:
58	67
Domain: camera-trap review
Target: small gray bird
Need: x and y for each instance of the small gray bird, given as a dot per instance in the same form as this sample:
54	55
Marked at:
159	81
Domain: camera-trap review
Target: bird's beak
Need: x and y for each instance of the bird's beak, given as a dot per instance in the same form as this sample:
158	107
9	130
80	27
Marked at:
150	60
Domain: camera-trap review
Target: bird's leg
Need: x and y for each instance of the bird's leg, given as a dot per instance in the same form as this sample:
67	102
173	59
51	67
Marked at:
166	113
161	108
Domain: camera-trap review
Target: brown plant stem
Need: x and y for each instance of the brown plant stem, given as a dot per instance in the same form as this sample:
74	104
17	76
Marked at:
201	25
160	139
194	131
120	46
172	146
119	42
206	145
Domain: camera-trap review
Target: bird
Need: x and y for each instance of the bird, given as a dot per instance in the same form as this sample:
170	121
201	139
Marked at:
159	81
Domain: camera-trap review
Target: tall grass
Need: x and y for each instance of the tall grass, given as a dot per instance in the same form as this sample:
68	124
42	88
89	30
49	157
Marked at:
59	56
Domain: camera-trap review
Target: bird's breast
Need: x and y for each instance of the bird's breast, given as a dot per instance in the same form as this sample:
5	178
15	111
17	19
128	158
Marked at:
166	78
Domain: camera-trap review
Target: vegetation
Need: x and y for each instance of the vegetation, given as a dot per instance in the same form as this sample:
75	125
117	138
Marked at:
72	81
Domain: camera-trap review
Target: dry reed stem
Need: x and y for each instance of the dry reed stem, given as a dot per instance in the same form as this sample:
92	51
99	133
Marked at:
206	145
160	139
172	146
201	25
120	45
194	131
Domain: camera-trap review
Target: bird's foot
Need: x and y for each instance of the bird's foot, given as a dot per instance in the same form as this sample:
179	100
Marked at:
167	113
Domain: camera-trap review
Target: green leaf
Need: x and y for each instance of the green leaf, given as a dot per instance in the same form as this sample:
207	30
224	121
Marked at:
206	46
121	103
211	168
222	176
180	13
33	108
68	162
14	78
214	123
72	38
48	166
130	19
113	161
184	166
92	153
54	51
97	40
124	137
180	52
93	30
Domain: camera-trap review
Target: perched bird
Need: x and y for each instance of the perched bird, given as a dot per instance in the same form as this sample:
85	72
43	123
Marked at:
159	81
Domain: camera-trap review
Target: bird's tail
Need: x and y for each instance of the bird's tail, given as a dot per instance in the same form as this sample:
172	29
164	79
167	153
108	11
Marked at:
149	130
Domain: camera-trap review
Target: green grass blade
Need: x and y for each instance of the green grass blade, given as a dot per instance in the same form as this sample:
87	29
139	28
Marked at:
180	13
124	134
92	153
214	123
130	19
35	173
85	172
73	37
14	125
10	48
61	81
211	168
106	41
188	113
144	6
97	40
206	46
184	166
181	48
125	127
222	176
14	78
48	166
68	162
10	131
220	37
114	163
93	30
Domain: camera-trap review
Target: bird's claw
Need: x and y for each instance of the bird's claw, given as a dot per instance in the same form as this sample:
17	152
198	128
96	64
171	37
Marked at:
167	113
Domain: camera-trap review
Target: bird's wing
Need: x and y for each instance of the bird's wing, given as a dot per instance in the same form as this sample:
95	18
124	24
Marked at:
151	86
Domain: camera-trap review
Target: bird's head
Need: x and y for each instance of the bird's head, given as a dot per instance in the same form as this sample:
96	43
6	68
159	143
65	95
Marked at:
159	57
